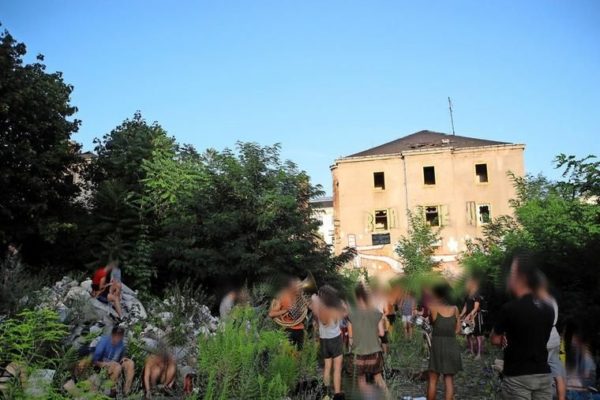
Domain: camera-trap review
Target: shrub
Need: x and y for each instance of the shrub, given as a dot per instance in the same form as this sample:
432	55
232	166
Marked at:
245	360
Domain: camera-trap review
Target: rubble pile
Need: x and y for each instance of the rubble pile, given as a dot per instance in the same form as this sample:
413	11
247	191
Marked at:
173	322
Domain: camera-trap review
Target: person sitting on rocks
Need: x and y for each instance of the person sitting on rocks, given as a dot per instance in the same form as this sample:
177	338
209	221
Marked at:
159	369
110	355
101	287
116	282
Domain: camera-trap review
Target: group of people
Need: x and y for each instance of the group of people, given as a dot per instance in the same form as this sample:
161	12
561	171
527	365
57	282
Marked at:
525	328
108	354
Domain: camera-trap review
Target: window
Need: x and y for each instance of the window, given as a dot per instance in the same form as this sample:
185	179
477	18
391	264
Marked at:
352	241
484	214
429	175
432	215
381	220
380	239
481	173
379	180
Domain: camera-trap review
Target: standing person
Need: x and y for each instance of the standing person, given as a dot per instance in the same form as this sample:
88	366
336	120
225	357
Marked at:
228	302
101	287
280	307
327	307
471	314
367	327
445	351
556	367
523	329
110	355
407	307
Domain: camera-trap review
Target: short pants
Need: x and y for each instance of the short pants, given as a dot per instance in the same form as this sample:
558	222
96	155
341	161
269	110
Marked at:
332	348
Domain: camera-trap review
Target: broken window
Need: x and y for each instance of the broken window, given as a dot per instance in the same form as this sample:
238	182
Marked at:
429	175
381	220
484	214
380	239
379	180
481	173
432	215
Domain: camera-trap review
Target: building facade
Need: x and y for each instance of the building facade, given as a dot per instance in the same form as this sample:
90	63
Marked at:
458	183
323	211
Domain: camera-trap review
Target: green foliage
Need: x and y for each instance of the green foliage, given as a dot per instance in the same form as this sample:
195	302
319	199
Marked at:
36	153
560	223
250	219
244	360
417	248
32	338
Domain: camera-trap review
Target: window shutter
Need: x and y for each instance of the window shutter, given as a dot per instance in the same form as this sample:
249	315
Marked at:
370	222
471	213
444	215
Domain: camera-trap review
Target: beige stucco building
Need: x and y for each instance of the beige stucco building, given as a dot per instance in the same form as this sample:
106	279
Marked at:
458	182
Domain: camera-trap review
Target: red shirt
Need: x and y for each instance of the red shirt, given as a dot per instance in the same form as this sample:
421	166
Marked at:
98	276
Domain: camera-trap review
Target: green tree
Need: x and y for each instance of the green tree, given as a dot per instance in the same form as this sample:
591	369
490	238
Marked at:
123	221
249	220
560	223
416	249
36	153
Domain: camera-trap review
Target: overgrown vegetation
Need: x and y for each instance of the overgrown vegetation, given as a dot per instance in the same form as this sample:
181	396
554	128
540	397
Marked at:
559	222
418	246
248	359
164	209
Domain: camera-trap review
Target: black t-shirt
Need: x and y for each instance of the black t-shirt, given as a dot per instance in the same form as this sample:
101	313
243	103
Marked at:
527	323
471	300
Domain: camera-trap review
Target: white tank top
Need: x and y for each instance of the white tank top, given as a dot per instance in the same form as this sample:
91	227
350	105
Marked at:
329	331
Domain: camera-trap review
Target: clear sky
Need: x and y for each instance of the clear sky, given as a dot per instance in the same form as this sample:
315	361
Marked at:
328	78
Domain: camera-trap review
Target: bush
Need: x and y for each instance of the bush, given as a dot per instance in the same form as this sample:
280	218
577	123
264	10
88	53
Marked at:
245	360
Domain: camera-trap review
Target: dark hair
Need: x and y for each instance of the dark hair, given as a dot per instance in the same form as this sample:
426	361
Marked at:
526	268
118	330
361	292
442	291
329	296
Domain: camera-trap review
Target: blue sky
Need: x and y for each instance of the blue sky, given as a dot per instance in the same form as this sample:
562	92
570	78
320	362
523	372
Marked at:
328	78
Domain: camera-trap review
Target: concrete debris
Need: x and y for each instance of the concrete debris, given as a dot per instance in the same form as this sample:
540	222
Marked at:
172	322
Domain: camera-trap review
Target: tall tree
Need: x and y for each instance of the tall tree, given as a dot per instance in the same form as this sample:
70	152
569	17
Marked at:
36	153
123	222
251	220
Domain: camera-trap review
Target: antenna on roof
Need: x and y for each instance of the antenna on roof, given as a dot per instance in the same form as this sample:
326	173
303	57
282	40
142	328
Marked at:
451	116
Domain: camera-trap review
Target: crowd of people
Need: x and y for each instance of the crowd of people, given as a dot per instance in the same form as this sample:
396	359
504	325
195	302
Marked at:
525	328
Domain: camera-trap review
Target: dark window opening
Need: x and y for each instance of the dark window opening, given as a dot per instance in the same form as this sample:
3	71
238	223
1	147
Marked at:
381	238
429	175
481	173
432	216
379	180
381	220
485	216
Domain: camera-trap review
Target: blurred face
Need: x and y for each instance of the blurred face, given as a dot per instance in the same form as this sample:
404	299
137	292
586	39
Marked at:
12	249
294	286
116	338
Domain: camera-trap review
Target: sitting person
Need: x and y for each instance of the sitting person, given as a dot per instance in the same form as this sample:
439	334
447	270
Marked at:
159	369
116	282
109	355
101	287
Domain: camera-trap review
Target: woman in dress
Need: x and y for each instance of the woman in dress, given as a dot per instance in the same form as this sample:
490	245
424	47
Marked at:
445	352
367	327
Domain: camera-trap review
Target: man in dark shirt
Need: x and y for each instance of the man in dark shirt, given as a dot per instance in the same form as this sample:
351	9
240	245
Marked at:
523	329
